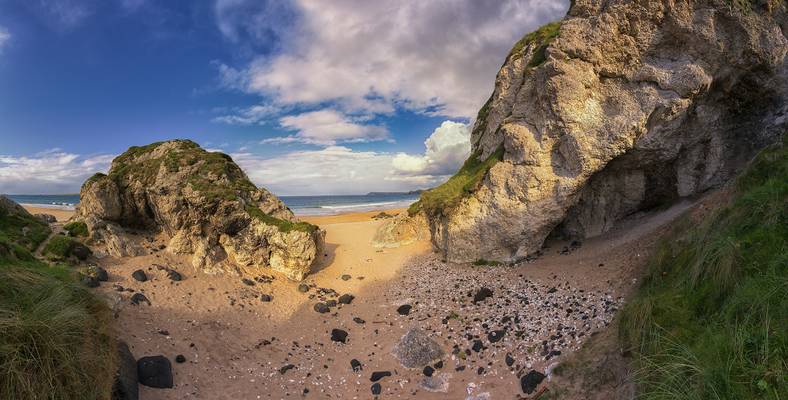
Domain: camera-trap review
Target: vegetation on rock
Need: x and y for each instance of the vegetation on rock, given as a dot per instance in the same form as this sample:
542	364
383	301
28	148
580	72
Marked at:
284	226
76	228
537	40
711	318
443	198
59	247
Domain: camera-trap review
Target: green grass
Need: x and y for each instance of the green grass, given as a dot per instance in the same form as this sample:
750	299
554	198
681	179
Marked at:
283	225
482	262
710	319
22	230
56	340
77	228
59	247
440	200
539	40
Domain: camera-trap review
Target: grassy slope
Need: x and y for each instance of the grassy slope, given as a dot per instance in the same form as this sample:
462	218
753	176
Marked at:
55	337
710	321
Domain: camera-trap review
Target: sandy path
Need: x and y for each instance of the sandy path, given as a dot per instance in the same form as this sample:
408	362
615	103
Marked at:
236	346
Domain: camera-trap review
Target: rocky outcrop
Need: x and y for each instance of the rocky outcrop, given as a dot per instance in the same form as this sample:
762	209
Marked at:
203	204
401	230
622	106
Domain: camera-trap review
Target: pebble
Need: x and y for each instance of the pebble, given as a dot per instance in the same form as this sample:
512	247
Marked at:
321	308
338	335
139	275
265	298
404	309
346	299
378	375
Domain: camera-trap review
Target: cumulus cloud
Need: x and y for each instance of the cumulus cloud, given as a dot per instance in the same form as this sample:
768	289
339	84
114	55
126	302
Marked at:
50	172
374	56
4	38
446	149
257	114
328	127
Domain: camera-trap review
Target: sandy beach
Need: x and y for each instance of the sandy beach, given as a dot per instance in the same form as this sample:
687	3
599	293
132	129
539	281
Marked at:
236	346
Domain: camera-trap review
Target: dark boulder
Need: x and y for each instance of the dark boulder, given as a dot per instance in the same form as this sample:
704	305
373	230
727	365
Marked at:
530	381
139	275
155	372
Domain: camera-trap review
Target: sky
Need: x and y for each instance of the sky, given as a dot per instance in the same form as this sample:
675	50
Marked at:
308	96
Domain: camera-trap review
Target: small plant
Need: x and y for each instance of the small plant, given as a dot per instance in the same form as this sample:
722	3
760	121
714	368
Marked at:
283	225
59	247
76	228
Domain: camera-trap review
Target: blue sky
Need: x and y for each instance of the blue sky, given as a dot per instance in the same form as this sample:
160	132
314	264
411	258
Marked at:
310	97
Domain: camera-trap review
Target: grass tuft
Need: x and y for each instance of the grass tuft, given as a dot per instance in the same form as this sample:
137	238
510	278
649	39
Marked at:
283	225
76	228
59	247
710	321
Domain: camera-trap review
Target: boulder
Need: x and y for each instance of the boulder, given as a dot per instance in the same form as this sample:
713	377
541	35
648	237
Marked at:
155	372
126	380
621	107
205	206
401	230
47	218
416	349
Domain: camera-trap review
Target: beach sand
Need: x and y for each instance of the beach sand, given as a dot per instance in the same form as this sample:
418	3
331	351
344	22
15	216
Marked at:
61	214
239	347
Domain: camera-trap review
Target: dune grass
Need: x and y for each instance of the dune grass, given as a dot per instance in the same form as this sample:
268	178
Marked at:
55	337
59	247
76	228
710	320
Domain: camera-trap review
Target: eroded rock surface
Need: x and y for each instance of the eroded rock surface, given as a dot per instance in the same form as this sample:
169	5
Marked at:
203	204
623	106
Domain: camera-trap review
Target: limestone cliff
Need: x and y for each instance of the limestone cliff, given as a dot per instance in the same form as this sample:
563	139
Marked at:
622	106
204	205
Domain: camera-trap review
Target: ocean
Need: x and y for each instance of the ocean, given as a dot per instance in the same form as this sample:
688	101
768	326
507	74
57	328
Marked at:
301	205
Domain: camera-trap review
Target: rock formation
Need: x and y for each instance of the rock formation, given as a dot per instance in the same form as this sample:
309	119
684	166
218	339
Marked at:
622	106
203	204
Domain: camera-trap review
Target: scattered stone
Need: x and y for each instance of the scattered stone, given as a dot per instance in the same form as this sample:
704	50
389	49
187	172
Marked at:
496	336
376	389
509	360
247	282
155	372
90	281
286	368
428	371
265	298
174	275
404	309
321	308
138	298
81	251
345	277
355	365
303	288
482	295
530	381
346	299
477	346
331	303
180	359
99	273
359	320
438	365
378	375
437	383
139	275
416	349
339	335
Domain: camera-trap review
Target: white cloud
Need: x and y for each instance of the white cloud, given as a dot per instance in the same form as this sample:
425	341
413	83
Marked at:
373	56
50	172
66	14
328	127
249	116
5	36
446	149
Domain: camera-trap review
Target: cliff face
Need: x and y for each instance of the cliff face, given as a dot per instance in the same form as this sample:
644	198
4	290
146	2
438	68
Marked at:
622	106
204	205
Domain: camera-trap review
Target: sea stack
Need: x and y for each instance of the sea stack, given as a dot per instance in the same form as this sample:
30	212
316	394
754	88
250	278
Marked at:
200	203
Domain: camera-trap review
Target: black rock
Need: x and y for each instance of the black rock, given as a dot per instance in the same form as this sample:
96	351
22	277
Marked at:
338	335
496	336
265	298
174	275
509	360
482	295
477	346
346	299
100	273
530	381
180	359
90	281
359	320
331	303
139	275
376	389
303	288
480	371
404	309
438	365
356	365
126	386
552	290
345	277
286	368
321	308
81	251
155	372
138	298
428	371
378	375
247	282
